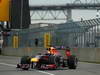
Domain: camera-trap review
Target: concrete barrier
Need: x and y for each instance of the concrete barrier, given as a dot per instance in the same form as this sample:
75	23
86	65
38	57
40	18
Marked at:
83	54
22	51
87	54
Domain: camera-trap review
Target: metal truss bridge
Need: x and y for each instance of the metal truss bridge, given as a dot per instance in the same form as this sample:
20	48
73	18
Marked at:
67	6
54	11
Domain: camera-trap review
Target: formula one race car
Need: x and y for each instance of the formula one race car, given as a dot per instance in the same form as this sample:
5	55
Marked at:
47	61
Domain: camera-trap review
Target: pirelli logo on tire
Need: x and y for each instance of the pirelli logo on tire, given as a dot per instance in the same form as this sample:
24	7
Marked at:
47	40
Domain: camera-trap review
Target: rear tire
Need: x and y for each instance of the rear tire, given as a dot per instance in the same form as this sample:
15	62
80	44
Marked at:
55	60
72	62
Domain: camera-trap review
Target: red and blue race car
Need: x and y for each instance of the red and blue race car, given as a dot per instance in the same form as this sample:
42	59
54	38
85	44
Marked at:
47	61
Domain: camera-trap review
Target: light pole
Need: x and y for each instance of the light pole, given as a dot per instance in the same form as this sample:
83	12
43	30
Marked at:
21	22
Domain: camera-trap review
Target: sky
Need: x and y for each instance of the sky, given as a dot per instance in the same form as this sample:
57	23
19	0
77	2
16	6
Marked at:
43	2
47	2
76	14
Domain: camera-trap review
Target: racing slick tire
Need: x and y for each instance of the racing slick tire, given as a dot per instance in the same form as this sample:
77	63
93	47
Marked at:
52	59
25	63
55	60
25	60
72	62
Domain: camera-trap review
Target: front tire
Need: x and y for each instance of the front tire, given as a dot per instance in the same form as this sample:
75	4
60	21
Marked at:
25	63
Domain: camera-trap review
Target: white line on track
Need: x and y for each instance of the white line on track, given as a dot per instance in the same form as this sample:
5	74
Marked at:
15	66
8	64
46	72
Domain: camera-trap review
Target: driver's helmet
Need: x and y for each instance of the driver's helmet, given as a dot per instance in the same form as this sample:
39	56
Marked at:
52	48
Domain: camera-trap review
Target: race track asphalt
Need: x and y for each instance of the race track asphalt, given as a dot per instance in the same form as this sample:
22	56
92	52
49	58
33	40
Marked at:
8	67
